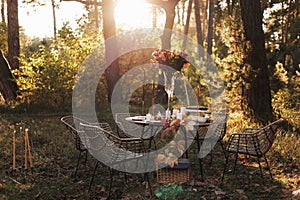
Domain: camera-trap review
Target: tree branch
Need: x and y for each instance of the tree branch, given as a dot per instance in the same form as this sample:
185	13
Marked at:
163	3
86	2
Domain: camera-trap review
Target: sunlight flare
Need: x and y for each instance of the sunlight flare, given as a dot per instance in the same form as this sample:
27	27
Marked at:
131	14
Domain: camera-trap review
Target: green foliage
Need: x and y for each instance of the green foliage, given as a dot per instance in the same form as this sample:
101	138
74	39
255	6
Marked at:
229	58
282	29
33	45
285	148
169	191
47	77
3	37
286	97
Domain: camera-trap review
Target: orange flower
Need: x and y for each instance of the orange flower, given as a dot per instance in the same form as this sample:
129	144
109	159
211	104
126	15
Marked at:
175	59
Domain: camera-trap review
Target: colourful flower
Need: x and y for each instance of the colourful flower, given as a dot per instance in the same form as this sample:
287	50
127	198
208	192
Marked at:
175	59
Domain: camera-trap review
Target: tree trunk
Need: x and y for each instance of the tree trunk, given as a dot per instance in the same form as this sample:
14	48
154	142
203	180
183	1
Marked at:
198	25
204	6
257	93
169	7
111	46
187	23
13	33
210	31
2	11
170	15
96	13
154	13
112	73
230	6
183	12
54	20
8	87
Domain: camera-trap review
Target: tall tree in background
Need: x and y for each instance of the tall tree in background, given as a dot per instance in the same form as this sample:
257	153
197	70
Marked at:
2	11
109	30
283	34
13	33
8	87
170	15
257	91
3	30
54	19
111	45
198	25
187	23
96	17
169	7
210	31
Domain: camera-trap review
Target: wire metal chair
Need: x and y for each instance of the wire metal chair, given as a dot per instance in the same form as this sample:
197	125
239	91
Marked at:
112	149
128	129
252	142
220	122
219	130
72	124
69	122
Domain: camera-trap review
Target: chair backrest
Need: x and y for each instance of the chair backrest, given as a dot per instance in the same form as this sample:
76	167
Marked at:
95	137
126	126
219	127
221	120
254	141
73	124
70	123
267	135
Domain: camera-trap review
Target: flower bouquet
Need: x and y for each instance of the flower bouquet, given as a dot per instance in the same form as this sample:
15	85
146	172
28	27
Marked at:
175	59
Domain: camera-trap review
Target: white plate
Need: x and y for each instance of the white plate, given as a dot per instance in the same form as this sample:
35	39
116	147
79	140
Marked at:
199	119
138	118
196	111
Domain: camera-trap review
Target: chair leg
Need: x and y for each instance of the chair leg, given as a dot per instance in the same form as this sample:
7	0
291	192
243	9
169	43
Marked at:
225	167
248	174
155	147
147	178
125	177
211	156
94	172
85	159
223	148
260	169
269	169
111	180
201	169
77	165
236	157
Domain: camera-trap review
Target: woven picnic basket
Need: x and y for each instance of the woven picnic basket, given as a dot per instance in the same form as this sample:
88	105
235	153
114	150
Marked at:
178	174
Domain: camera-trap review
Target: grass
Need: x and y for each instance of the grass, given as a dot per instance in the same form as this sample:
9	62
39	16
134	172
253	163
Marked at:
55	156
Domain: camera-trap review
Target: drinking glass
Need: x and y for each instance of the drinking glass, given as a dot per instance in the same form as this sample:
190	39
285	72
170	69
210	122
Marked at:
169	87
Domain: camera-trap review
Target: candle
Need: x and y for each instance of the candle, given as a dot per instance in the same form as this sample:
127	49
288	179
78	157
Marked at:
198	94
25	149
21	146
14	150
28	147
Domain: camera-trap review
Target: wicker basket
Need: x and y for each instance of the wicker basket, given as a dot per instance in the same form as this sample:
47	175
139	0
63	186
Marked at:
178	174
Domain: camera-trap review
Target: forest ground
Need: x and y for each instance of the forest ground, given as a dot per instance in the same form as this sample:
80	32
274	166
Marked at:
55	156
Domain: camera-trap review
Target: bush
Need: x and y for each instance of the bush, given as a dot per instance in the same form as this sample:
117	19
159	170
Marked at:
47	77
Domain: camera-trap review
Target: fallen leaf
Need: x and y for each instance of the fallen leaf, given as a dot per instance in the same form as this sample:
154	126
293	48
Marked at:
220	192
240	191
296	193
